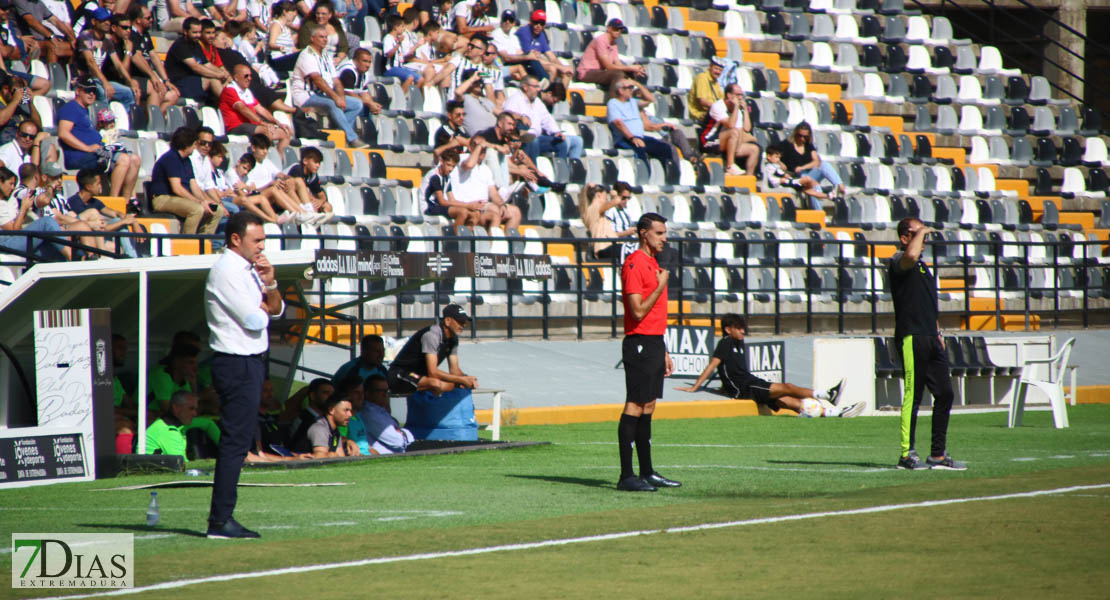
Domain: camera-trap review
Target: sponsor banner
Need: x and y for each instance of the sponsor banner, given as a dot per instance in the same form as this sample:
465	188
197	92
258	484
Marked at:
376	264
767	360
73	560
41	458
690	349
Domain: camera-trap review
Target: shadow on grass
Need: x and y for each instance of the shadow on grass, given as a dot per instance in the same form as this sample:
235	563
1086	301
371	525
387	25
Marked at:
597	483
145	529
869	465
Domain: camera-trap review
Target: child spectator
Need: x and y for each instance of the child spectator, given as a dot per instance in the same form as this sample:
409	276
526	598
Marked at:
776	175
438	196
96	214
246	42
398	49
304	176
106	125
269	181
244	195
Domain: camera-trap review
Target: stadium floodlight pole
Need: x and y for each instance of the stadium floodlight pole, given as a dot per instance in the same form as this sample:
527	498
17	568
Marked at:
144	293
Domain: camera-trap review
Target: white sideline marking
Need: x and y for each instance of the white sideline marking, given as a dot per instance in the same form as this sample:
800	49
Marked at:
169	585
757	468
666	445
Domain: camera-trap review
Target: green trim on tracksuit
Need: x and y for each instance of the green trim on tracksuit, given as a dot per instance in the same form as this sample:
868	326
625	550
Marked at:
907	392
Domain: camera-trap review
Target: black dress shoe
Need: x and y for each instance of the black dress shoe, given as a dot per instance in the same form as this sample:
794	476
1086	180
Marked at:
229	531
634	484
659	481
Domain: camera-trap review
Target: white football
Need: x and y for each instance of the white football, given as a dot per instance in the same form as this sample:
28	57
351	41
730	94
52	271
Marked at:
811	408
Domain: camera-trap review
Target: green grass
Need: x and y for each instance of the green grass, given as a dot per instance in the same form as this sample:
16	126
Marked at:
733	469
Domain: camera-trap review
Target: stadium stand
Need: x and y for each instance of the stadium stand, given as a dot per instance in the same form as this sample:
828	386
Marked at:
916	122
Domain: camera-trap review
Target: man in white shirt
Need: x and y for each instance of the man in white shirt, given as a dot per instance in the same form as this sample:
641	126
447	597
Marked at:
532	113
202	166
24	148
240	298
472	182
317	86
382	430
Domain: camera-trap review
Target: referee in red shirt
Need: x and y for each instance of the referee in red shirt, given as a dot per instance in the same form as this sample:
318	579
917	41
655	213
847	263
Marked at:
646	361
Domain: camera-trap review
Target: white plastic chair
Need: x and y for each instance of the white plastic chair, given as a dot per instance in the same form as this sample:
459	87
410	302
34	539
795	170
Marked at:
1052	386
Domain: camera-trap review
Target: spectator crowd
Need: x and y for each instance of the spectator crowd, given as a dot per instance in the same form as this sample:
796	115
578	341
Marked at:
276	73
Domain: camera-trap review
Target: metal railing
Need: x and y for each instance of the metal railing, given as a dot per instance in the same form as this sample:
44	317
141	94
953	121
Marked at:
785	284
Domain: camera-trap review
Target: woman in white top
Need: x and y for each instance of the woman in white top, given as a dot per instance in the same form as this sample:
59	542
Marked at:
280	42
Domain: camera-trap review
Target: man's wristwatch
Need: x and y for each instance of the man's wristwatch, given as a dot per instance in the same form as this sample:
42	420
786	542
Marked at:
269	288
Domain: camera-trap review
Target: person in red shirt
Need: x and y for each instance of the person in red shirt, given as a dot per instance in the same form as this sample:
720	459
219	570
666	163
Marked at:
644	353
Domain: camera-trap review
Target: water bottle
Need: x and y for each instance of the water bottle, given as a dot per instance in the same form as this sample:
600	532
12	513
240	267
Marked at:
152	510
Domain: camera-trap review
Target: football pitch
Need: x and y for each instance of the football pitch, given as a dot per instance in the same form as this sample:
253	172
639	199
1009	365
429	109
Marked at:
771	507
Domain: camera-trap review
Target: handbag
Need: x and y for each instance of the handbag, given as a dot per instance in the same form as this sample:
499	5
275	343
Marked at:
307	127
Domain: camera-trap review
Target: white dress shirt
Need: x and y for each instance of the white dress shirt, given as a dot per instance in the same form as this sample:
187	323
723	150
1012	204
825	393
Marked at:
233	306
536	111
202	171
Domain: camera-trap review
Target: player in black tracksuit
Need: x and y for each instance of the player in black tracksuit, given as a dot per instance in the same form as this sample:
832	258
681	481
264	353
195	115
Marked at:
917	332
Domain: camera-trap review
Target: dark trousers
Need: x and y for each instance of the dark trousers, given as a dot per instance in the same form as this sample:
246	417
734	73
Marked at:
535	69
926	365
238	381
653	148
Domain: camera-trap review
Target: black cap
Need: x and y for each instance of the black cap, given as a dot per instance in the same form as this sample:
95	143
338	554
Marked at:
457	313
85	83
508	15
6	4
617	24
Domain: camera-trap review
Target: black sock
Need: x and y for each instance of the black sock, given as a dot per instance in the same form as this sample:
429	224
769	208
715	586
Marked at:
626	434
643	445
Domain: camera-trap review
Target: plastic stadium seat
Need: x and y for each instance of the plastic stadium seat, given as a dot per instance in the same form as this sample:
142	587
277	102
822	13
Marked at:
990	60
1044	122
1017	91
965	63
1092	122
1040	92
1071	153
1095	153
946	90
1021	154
1068	121
872	57
1046	153
895	60
995	121
1019	122
946	120
799	28
894	31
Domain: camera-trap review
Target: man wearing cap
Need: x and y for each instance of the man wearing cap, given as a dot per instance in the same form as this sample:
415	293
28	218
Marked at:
705	90
533	45
24	148
600	62
97	51
416	367
82	144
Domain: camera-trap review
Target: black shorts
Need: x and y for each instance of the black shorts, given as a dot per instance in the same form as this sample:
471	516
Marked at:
754	388
645	362
401	382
